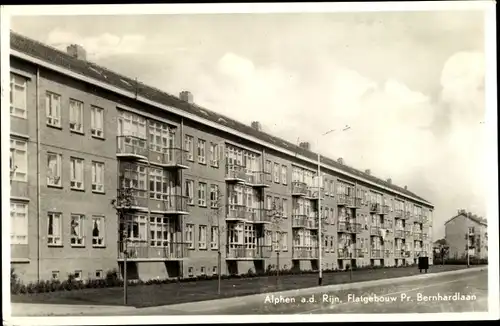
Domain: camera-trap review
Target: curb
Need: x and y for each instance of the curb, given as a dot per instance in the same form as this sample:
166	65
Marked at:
208	305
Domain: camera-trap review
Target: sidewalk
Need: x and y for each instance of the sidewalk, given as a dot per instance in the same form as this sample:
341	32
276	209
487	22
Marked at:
37	309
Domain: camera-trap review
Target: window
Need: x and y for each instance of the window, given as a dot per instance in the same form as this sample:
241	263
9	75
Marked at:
214	196
18	96
284	241
190	271
285	208
77	229
269	175
202	194
98	231
54	229
53	109
161	137
214	236
19	223
97	177
18	160
76	173
276	241
134	228
268	240
188	142
98	274
97	121
332	216
203	271
202	237
55	275
78	275
54	169
75	115
276	173
159	184
159	230
189	235
214	155
201	151
284	174
190	191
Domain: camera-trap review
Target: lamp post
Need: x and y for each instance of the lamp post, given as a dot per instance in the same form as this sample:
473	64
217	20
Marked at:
320	240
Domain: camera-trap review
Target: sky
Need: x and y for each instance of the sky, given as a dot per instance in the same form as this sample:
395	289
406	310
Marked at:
409	84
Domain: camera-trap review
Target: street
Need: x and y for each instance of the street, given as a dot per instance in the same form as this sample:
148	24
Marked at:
458	293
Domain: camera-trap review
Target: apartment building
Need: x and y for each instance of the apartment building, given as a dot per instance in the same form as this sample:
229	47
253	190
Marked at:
467	231
198	184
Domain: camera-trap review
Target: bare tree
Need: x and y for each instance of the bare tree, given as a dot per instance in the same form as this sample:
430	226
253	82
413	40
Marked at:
275	215
215	215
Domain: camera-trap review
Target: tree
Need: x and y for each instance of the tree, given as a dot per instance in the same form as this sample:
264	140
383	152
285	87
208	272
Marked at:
123	207
215	215
275	215
441	249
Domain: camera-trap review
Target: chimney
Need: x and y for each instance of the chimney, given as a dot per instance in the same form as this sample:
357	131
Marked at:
256	125
389	181
368	171
305	145
340	160
186	96
406	187
77	51
469	214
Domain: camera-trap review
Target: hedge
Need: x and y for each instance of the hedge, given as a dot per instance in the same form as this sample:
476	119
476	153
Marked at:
113	279
461	261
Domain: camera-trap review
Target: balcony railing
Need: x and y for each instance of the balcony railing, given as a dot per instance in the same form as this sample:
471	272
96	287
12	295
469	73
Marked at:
237	212
245	251
387	253
388	225
376	253
399	234
357	202
375	208
132	198
169	157
408	233
315	193
312	223
359	253
344	253
402	253
350	202
131	146
375	231
349	227
341	199
419	253
304	252
257	179
418	236
144	251
407	215
425	235
299	188
398	213
419	218
259	215
235	173
299	220
171	204
385	209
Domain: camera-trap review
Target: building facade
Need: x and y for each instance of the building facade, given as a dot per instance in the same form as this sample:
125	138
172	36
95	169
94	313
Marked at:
466	231
190	184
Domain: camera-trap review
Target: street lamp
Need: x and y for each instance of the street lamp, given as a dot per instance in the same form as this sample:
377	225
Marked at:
320	240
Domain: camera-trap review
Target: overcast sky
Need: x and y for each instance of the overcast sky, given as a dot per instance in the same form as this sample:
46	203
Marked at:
410	85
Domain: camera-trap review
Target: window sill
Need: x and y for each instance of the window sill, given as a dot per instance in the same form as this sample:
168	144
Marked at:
98	137
214	248
99	246
55	245
78	132
190	248
214	166
191	204
18	180
20	260
54	126
190	159
204	249
202	163
78	189
204	206
54	186
98	192
19	117
77	245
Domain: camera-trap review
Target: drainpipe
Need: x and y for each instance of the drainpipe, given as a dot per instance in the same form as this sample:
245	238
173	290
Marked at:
38	169
181	218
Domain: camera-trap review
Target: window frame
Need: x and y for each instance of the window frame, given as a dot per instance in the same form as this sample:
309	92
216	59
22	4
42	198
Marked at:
102	232
53	103
19	239
78	122
190	236
190	191
73	172
95	184
77	240
201	151
189	146
13	85
21	159
202	200
202	237
54	240
95	131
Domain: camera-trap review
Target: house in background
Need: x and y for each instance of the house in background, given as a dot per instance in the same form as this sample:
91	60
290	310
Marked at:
464	227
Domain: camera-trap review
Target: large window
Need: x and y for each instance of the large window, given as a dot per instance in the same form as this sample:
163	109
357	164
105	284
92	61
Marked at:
201	151
202	237
98	231
97	121
53	109
188	144
76	173
159	184
202	194
132	125
54	169
160	231
76	115
18	96
250	238
77	230
161	137
54	229
97	176
19	223
235	235
18	160
133	176
134	228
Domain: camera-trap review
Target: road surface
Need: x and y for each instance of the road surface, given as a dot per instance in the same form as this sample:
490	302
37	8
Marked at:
448	293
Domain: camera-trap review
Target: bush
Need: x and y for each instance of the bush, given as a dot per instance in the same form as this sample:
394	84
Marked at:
15	283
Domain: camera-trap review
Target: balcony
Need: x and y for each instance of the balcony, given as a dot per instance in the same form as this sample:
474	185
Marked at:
348	227
172	158
375	231
375	208
385	210
350	202
419	253
387	253
299	188
407	215
257	179
304	252
237	213
132	198
418	236
344	253
235	174
247	252
376	253
344	200
359	253
388	225
357	202
299	221
258	215
143	251
399	234
419	218
131	147
314	193
169	205
425	236
398	213
312	223
402	253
